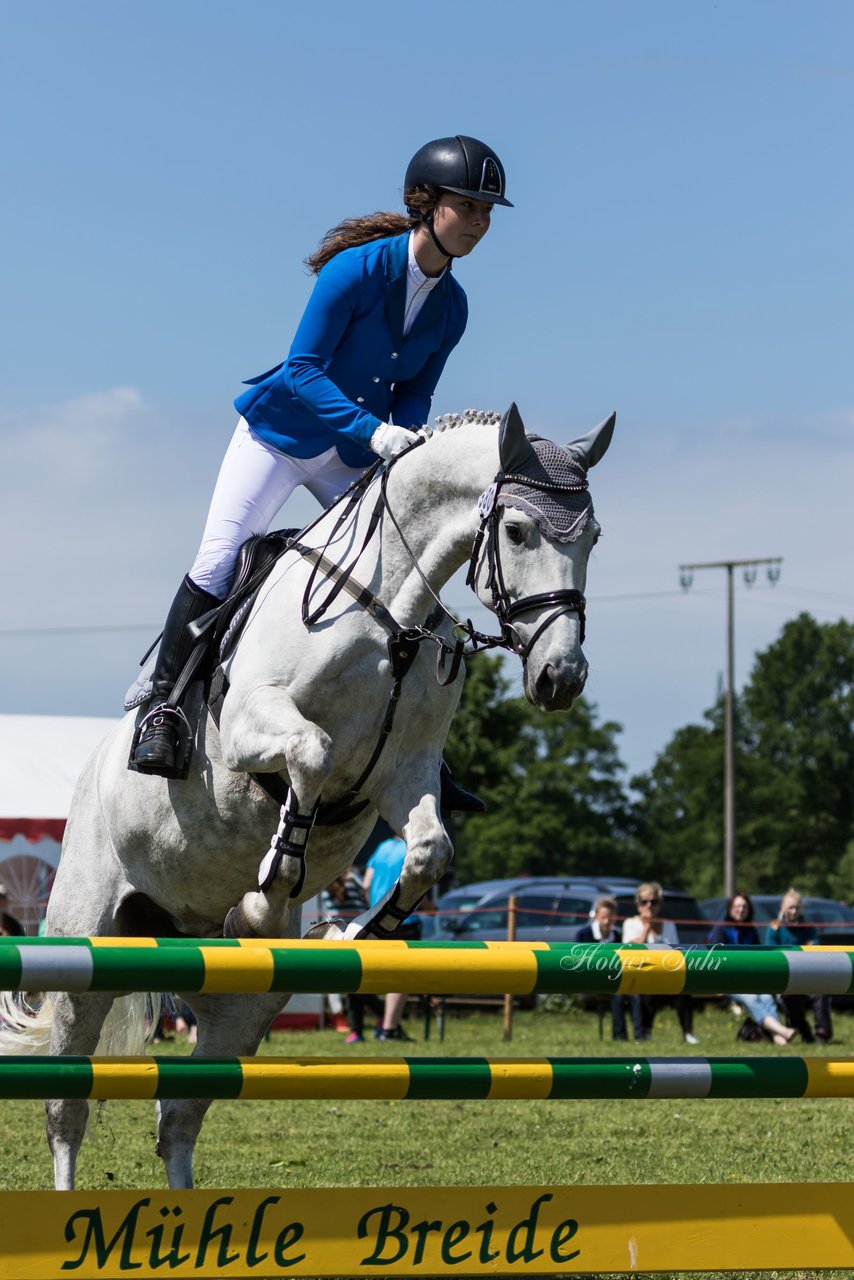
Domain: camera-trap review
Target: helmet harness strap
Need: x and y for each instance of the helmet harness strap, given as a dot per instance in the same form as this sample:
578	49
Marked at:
428	221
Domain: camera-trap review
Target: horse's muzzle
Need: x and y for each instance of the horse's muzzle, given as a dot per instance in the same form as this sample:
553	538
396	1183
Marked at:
553	690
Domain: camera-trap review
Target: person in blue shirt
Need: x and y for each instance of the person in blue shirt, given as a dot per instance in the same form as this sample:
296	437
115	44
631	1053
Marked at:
384	316
382	873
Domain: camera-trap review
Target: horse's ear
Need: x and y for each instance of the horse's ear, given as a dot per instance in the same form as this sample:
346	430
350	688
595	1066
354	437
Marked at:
590	448
514	448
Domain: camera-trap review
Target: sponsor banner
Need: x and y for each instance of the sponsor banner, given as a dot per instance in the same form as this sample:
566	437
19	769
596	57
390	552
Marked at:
429	1231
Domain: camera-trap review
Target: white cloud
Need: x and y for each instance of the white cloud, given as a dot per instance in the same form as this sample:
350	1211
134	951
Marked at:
77	441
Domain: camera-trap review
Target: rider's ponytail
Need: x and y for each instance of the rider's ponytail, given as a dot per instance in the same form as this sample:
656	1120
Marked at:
420	203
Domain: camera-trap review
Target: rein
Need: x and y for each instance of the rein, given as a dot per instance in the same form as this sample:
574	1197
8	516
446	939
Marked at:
403	642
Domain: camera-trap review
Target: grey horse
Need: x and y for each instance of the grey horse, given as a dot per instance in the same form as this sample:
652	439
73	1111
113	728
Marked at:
147	856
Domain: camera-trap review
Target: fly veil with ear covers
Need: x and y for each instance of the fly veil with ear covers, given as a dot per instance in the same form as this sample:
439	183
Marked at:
551	487
549	483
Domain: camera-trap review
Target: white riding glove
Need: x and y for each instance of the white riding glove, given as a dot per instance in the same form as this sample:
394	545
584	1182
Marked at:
388	440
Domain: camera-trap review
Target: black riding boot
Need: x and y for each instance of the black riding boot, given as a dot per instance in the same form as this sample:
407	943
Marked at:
159	739
454	798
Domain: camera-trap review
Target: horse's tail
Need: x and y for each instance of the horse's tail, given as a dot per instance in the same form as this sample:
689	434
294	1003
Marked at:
26	1023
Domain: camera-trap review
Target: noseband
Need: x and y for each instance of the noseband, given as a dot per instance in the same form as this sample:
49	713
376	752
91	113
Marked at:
566	600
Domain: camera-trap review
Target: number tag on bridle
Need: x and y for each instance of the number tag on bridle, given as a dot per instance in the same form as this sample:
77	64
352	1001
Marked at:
486	501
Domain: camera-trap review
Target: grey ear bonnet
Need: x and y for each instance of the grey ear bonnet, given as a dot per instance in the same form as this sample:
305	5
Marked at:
561	516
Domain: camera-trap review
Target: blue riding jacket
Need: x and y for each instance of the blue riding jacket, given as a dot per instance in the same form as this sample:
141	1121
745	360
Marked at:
350	367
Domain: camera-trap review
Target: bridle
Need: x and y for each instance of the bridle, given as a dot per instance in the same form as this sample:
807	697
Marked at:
468	640
567	600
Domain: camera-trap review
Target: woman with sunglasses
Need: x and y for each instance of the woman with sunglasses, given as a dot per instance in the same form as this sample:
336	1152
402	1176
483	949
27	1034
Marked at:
382	320
649	927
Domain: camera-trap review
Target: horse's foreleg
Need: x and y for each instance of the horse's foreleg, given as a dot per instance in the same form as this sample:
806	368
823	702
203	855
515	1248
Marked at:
411	806
228	1026
265	733
77	1023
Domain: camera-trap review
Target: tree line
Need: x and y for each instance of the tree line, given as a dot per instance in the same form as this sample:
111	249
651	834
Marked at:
560	801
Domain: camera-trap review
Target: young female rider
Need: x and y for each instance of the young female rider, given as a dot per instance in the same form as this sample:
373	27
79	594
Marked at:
382	320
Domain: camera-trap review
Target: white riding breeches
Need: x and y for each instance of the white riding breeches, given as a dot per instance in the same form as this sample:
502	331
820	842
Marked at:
254	481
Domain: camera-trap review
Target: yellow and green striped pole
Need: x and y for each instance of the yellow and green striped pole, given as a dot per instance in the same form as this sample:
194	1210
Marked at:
421	1078
436	968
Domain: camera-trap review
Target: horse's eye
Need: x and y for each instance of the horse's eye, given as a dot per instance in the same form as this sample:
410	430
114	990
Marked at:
515	534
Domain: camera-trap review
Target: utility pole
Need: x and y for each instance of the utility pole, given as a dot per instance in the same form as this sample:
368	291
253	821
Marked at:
686	572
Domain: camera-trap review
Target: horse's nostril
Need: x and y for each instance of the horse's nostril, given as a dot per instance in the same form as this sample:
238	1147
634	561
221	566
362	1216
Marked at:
546	685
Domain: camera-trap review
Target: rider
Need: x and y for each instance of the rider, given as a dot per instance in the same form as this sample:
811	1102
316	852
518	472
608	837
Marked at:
382	320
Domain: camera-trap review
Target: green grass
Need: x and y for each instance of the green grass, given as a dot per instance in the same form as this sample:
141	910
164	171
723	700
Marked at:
308	1144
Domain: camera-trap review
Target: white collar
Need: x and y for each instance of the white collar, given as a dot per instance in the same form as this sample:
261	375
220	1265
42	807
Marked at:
416	275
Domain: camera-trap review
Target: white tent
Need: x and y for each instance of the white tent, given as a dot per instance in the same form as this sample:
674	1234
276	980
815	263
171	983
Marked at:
40	760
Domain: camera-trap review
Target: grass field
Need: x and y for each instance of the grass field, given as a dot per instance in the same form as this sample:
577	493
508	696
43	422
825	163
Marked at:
473	1143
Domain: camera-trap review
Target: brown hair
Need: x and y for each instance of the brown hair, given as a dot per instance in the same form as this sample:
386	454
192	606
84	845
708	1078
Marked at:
750	910
420	203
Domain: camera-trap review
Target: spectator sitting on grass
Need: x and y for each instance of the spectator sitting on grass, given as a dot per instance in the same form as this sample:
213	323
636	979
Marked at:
738	930
792	929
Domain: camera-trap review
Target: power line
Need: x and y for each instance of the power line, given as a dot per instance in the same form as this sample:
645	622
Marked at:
76	631
785	593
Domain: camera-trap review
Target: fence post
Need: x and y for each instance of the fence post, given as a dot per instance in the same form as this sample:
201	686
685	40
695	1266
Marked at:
507	1035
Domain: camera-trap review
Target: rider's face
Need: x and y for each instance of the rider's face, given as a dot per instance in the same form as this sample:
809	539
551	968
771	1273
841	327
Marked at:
461	222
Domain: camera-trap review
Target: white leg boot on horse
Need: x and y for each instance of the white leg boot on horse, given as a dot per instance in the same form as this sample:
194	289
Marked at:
266	733
413	809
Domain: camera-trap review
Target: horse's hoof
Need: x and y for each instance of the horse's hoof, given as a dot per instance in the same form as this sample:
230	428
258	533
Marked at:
328	929
238	925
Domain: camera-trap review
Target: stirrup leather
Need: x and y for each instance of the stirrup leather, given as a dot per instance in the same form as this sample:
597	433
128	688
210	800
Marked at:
292	824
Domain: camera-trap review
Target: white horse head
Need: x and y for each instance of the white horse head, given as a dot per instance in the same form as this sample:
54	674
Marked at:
532	566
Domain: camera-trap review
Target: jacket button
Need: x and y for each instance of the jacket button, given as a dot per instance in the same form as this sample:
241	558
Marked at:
394	355
375	378
360	399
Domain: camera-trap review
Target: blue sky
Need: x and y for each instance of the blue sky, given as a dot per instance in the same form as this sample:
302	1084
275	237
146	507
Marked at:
680	251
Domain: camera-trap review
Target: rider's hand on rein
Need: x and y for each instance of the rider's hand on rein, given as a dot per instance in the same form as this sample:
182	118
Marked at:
388	440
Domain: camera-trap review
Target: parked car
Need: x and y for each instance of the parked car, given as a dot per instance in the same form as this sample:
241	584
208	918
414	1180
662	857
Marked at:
834	921
545	911
554	910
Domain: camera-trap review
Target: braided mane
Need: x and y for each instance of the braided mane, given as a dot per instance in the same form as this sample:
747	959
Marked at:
484	417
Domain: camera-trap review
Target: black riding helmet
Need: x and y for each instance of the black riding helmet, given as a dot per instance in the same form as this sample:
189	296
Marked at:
459	164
